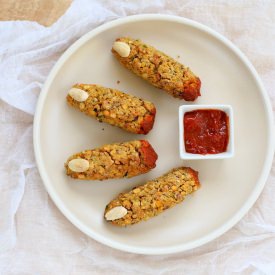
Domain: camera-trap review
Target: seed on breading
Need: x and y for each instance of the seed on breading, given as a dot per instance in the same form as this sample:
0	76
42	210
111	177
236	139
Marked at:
113	115
78	94
78	165
136	190
122	48
106	113
116	213
174	188
127	203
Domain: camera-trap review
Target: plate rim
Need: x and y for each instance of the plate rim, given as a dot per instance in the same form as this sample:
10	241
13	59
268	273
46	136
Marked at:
259	185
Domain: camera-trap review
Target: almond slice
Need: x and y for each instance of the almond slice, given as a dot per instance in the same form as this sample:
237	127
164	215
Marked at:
122	48
78	94
79	165
116	213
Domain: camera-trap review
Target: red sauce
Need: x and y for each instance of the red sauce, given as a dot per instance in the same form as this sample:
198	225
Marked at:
206	131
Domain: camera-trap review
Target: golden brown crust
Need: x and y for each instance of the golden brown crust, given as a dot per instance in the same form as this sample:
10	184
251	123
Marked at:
155	196
116	108
160	70
117	160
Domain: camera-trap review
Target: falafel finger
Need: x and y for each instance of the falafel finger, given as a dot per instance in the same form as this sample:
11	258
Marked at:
112	106
117	160
157	68
152	198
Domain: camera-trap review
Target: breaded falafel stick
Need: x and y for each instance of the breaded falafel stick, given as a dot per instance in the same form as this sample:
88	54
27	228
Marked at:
152	198
117	160
159	69
114	107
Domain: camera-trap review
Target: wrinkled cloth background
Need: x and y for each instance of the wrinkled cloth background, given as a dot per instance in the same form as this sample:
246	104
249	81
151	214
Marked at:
35	238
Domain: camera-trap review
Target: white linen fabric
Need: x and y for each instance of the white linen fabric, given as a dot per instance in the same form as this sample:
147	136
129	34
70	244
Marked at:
35	238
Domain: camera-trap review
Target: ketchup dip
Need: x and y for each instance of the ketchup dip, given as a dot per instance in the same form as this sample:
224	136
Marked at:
206	131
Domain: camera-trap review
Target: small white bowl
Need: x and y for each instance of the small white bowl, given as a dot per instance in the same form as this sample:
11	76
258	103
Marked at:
230	147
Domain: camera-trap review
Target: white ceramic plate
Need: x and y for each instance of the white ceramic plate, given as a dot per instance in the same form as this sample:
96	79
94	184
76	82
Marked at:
229	187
